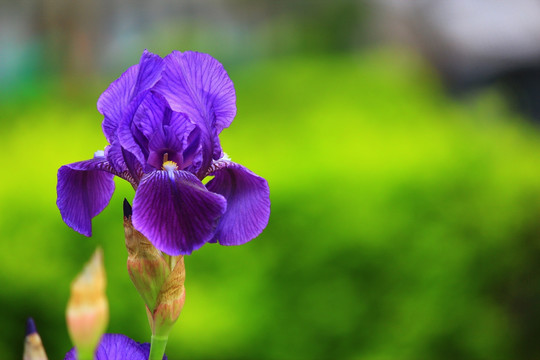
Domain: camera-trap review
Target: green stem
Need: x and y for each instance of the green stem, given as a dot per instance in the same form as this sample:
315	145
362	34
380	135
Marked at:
157	347
85	355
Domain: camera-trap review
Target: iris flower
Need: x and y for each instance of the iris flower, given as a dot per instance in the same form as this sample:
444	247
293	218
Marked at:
117	347
162	119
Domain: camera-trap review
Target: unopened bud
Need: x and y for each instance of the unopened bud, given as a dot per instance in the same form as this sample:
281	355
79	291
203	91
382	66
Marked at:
171	300
147	267
87	311
33	347
158	278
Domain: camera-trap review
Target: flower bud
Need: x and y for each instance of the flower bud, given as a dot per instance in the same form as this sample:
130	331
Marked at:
87	311
33	347
158	278
147	267
170	300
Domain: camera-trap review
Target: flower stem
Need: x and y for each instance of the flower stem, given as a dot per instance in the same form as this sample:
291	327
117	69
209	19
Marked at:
157	347
85	355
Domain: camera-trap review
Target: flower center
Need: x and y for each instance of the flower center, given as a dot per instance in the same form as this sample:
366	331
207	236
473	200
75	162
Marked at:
170	166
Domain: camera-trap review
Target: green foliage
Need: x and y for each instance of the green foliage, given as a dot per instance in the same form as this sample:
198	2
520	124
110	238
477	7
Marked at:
404	225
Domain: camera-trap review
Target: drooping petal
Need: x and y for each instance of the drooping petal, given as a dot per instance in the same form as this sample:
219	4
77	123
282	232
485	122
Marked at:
84	189
115	100
175	211
117	347
248	203
198	85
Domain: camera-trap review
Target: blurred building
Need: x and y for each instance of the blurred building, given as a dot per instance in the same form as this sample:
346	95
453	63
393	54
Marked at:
473	43
84	36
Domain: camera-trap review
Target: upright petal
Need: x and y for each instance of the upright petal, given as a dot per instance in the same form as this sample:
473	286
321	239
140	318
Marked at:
175	212
155	129
191	155
198	85
129	135
171	138
115	100
84	189
248	203
149	116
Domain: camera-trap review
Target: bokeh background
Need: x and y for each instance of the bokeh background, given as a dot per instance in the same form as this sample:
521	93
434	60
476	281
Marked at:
400	141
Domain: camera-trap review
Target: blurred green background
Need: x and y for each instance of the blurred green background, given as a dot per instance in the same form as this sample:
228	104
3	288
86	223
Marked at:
404	223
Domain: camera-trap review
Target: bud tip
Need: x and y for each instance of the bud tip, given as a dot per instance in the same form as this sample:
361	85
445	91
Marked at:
30	326
127	209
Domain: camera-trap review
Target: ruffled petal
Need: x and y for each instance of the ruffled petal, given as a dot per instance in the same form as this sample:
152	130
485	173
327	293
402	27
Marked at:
198	85
175	211
84	189
115	100
117	347
248	203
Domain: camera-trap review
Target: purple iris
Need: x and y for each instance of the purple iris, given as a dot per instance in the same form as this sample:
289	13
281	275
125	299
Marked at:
117	347
162	119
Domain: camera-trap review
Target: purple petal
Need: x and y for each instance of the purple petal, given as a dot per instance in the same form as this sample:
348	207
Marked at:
30	326
150	68
117	347
165	140
84	189
115	100
71	355
248	203
124	163
112	103
154	129
122	160
115	157
172	139
150	114
198	85
130	137
175	212
192	157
